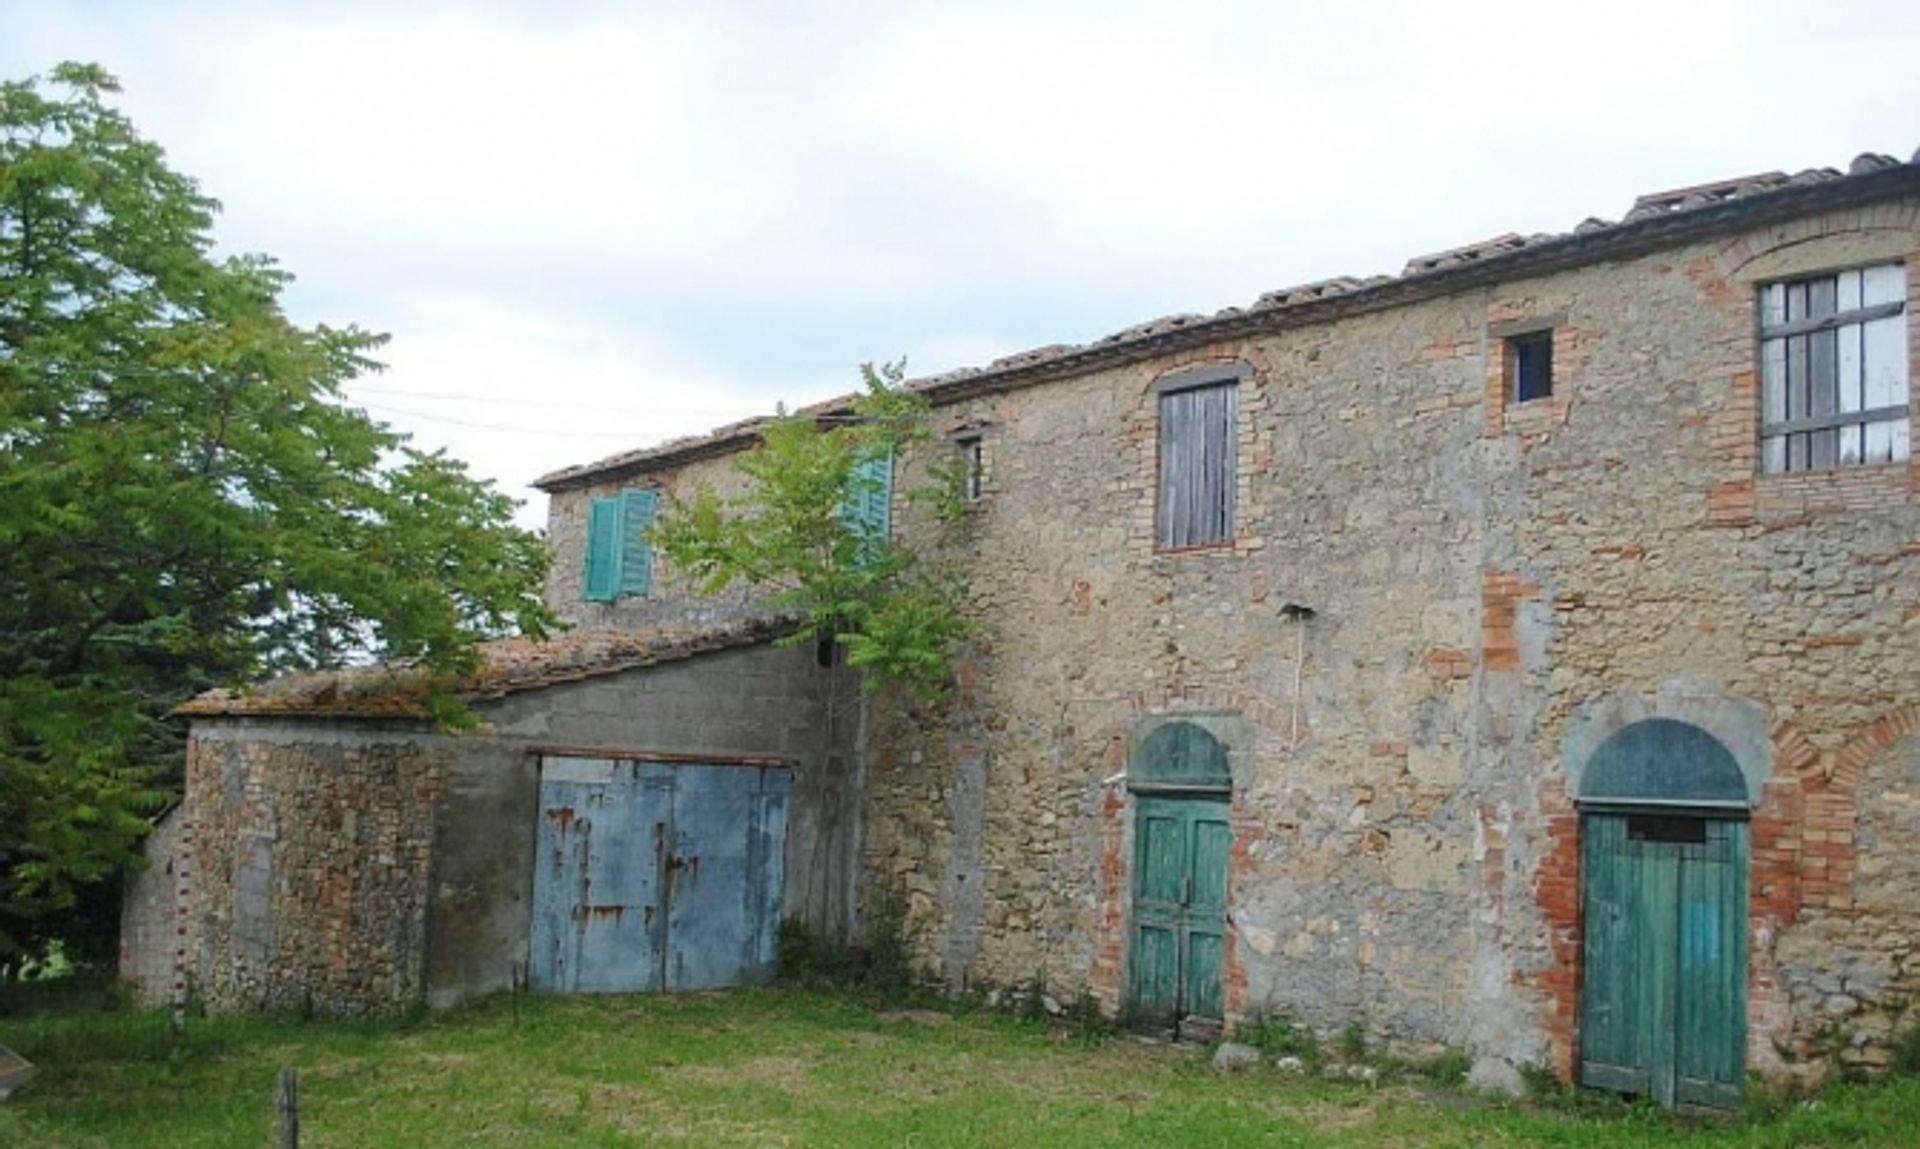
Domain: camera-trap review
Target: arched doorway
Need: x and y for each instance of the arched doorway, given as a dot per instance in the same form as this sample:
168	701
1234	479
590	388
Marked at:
1664	904
1182	839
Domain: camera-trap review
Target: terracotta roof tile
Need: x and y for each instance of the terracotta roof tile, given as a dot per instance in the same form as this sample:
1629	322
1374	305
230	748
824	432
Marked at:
398	690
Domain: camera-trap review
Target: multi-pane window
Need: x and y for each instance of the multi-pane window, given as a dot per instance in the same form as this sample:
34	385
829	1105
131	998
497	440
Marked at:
1198	448
1833	370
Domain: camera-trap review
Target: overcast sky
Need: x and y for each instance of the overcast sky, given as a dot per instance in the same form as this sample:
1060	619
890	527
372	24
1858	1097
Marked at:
591	227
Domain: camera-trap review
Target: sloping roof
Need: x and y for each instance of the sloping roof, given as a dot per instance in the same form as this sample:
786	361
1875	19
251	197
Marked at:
1656	220
399	690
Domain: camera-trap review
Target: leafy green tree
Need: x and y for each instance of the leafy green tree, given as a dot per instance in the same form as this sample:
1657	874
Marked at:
895	614
184	500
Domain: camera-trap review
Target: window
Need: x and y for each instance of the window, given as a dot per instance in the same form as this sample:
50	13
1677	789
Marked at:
1530	365
973	465
619	557
1833	370
1198	448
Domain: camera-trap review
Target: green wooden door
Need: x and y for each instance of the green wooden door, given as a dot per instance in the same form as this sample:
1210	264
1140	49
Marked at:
1180	907
1663	1008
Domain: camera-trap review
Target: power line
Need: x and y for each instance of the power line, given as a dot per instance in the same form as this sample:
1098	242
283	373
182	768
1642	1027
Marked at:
708	412
422	415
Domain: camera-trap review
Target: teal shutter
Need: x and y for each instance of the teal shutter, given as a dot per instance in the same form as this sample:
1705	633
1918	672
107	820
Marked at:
603	550
868	508
636	552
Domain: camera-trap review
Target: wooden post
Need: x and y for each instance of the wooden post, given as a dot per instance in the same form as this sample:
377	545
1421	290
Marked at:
289	1107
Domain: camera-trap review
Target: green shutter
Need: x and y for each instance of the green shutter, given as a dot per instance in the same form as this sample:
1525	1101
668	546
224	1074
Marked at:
867	509
603	550
636	553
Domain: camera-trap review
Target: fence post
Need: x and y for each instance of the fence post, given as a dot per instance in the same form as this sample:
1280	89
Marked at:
289	1107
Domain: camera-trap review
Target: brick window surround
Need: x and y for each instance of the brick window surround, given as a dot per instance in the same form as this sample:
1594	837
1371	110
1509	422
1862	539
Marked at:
1742	490
1516	329
1197	458
1833	370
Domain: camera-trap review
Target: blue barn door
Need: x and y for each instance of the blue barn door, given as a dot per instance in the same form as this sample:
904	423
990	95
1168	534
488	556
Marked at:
653	875
724	875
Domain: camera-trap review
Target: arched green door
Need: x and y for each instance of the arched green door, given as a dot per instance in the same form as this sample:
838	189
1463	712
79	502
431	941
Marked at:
1182	843
1664	879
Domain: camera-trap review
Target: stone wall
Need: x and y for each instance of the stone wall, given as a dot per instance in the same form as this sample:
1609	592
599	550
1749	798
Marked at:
312	856
1483	577
150	920
353	867
674	600
1490	585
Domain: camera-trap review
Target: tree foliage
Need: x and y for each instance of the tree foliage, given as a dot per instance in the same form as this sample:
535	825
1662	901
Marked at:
184	500
895	614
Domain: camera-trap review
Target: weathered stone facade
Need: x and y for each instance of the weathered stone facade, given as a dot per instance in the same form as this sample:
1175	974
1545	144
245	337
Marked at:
313	859
1491	588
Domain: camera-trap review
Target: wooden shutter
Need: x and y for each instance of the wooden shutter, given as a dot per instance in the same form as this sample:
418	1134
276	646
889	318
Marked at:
603	550
636	552
868	508
1198	445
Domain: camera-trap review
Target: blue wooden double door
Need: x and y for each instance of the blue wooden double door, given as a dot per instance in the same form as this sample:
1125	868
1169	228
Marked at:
656	875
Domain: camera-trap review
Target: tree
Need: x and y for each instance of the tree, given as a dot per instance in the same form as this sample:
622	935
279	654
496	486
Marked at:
184	499
894	614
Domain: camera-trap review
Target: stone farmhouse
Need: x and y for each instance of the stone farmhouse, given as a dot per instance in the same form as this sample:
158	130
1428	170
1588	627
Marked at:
1518	654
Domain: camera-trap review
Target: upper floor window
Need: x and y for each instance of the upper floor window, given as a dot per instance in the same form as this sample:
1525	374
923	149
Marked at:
1530	365
619	557
1833	370
1199	448
973	466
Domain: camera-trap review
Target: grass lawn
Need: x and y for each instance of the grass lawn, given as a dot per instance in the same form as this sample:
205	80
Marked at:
778	1068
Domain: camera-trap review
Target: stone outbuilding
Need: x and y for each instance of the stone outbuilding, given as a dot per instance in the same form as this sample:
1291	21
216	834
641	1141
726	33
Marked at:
1517	654
346	853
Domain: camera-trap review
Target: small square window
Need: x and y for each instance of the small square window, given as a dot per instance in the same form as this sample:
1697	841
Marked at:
1530	365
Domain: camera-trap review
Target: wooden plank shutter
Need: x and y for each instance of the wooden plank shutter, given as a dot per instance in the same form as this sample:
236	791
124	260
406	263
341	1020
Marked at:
1198	448
637	509
603	550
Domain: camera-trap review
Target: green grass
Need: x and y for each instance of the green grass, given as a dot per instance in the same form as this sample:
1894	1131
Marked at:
780	1068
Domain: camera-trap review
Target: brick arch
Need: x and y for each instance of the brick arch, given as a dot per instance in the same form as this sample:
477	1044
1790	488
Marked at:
1115	726
1794	753
1873	740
